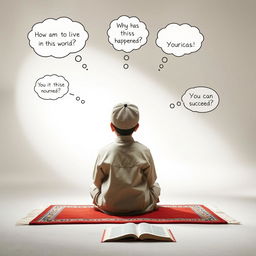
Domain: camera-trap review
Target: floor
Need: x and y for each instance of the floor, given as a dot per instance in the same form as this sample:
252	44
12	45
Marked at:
192	239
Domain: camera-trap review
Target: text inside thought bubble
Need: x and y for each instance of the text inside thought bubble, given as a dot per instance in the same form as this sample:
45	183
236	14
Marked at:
51	87
57	37
200	99
179	39
127	33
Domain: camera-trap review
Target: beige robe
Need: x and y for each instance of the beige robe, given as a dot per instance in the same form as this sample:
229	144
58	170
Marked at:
124	178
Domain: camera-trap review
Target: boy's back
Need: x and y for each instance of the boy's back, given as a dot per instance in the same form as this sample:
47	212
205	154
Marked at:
124	178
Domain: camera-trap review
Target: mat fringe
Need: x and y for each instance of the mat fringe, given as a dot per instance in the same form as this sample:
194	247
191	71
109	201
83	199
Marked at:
222	214
30	216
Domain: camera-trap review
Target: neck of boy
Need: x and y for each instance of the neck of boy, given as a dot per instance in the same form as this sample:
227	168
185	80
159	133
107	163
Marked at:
126	138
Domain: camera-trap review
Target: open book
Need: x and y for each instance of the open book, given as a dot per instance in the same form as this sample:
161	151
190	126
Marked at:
142	231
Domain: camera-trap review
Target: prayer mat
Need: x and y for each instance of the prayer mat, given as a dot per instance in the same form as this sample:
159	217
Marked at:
78	214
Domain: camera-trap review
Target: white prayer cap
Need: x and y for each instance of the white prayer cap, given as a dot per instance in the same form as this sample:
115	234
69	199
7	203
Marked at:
125	116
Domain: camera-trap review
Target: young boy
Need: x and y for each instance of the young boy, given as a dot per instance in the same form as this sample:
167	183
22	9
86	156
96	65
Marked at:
124	175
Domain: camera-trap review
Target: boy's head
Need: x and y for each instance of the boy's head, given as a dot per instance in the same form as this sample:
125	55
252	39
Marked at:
125	118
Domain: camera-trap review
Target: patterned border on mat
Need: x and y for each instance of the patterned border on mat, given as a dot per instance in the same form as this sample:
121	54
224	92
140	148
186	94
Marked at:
204	214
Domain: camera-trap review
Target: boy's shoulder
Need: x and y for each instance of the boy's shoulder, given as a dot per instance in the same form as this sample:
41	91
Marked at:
139	144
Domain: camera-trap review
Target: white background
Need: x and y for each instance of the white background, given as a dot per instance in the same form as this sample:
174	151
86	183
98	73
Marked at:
48	148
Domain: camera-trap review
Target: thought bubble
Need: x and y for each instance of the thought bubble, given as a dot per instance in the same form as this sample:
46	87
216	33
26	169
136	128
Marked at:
200	99
179	39
127	33
51	87
57	37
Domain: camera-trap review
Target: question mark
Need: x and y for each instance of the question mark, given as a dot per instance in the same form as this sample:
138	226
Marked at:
140	38
73	41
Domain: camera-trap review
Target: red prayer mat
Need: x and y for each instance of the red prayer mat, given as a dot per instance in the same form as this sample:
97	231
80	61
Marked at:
77	214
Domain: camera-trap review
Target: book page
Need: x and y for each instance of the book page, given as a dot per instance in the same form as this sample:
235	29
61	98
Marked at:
120	230
144	228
